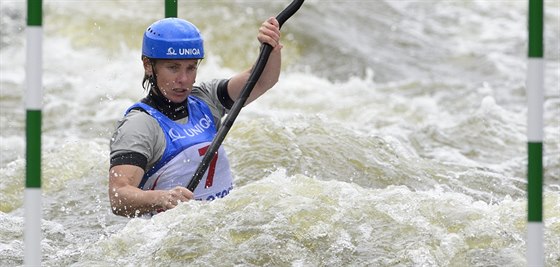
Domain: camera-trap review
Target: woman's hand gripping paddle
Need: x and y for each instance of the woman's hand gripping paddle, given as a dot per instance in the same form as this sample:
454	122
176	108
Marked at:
266	49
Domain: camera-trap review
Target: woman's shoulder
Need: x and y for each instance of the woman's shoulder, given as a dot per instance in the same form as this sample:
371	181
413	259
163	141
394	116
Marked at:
208	92
138	114
138	120
208	88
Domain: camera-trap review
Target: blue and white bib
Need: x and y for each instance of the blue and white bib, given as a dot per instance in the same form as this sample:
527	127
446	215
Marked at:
186	144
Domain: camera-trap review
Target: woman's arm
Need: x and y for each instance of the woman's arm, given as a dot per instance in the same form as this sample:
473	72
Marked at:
269	33
130	201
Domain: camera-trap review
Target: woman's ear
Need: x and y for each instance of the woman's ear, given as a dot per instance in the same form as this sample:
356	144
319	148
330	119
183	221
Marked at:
148	70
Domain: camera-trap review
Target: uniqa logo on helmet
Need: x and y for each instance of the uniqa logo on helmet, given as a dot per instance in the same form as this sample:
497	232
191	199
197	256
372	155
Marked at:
183	51
172	38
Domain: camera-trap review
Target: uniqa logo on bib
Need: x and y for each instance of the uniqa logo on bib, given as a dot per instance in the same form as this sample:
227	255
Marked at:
183	51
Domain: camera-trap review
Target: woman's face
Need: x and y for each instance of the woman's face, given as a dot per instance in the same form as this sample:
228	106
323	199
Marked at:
175	77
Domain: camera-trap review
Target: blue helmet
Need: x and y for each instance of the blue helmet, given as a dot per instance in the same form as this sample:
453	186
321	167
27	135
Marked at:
172	38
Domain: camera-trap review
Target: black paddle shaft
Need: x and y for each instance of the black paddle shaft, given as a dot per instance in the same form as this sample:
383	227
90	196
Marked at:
266	49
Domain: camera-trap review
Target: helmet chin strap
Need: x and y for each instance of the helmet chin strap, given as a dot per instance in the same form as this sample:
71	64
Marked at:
153	82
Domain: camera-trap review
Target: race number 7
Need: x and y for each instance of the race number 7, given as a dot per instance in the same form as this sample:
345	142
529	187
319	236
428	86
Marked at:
211	168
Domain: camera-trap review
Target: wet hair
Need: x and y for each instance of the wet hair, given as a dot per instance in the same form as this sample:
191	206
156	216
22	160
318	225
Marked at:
149	81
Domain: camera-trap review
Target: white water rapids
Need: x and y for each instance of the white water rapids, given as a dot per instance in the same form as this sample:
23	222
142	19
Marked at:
396	136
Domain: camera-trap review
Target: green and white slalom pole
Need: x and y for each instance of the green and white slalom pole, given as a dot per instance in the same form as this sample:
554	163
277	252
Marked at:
171	8
535	97
33	105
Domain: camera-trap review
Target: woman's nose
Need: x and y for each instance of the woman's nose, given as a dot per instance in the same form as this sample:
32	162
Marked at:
183	76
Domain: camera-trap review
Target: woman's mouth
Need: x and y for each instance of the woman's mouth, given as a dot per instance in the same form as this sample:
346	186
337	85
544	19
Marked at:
180	91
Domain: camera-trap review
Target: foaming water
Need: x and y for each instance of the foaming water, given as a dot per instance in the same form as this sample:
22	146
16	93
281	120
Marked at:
396	136
298	220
